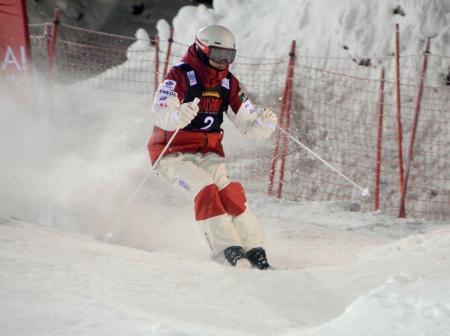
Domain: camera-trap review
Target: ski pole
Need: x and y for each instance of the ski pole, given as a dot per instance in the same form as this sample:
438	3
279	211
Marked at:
118	221
364	191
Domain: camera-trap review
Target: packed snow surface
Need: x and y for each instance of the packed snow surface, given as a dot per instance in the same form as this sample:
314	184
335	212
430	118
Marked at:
338	273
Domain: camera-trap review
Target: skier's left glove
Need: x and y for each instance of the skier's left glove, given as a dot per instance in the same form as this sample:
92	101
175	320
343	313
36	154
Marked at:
267	119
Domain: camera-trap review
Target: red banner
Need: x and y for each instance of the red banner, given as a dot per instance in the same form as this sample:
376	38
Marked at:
14	39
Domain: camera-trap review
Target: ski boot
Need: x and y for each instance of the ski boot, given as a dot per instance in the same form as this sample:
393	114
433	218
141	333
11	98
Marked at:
257	257
236	257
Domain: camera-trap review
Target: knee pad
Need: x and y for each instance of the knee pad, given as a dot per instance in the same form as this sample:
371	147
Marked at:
233	199
208	203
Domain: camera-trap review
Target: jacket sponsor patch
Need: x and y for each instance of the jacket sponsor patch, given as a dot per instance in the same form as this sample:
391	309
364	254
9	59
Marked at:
167	92
210	94
183	184
169	84
160	105
192	78
243	96
163	96
226	83
249	106
210	105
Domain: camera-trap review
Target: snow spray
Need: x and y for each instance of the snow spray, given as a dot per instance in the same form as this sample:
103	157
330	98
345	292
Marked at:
118	221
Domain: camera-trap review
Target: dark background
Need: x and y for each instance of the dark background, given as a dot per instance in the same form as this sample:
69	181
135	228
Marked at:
75	58
122	17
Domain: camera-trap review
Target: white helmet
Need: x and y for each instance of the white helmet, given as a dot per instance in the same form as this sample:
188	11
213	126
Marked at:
217	42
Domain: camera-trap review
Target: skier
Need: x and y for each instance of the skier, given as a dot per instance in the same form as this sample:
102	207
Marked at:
195	159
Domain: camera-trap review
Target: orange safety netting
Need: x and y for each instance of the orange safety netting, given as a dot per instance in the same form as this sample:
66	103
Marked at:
335	111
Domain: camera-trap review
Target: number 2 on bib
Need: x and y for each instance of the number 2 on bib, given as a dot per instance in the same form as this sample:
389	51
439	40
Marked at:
208	121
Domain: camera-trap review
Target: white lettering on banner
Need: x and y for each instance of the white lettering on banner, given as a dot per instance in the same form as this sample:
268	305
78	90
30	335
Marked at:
24	58
10	59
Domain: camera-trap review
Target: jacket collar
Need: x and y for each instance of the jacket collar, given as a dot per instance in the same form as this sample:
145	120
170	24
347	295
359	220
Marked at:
209	76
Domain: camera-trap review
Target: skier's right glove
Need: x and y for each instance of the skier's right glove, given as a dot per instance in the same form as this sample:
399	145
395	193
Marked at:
267	119
186	113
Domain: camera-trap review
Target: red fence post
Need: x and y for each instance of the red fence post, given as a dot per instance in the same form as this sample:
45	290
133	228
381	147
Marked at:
284	122
169	50
287	114
156	79
415	123
402	213
277	141
27	32
51	42
379	142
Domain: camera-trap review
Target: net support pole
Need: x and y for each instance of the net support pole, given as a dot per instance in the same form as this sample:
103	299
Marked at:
287	119
51	42
414	127
168	53
379	141
156	79
26	31
283	120
402	213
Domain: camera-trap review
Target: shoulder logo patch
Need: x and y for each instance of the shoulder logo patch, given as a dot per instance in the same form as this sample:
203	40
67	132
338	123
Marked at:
226	83
192	78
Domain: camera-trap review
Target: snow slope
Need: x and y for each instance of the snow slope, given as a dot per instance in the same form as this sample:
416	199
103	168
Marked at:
323	27
348	278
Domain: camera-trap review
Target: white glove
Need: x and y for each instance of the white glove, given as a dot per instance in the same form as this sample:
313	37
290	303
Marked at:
267	119
186	113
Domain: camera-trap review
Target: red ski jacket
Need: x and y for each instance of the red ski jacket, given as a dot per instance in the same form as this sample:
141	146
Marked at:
216	89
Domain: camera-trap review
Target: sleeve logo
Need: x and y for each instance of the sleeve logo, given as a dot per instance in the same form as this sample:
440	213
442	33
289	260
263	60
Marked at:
243	96
163	92
169	84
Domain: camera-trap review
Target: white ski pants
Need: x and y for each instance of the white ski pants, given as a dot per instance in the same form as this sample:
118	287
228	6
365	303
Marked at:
220	204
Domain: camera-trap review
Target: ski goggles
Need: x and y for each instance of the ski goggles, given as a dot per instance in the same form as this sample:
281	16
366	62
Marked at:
221	55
